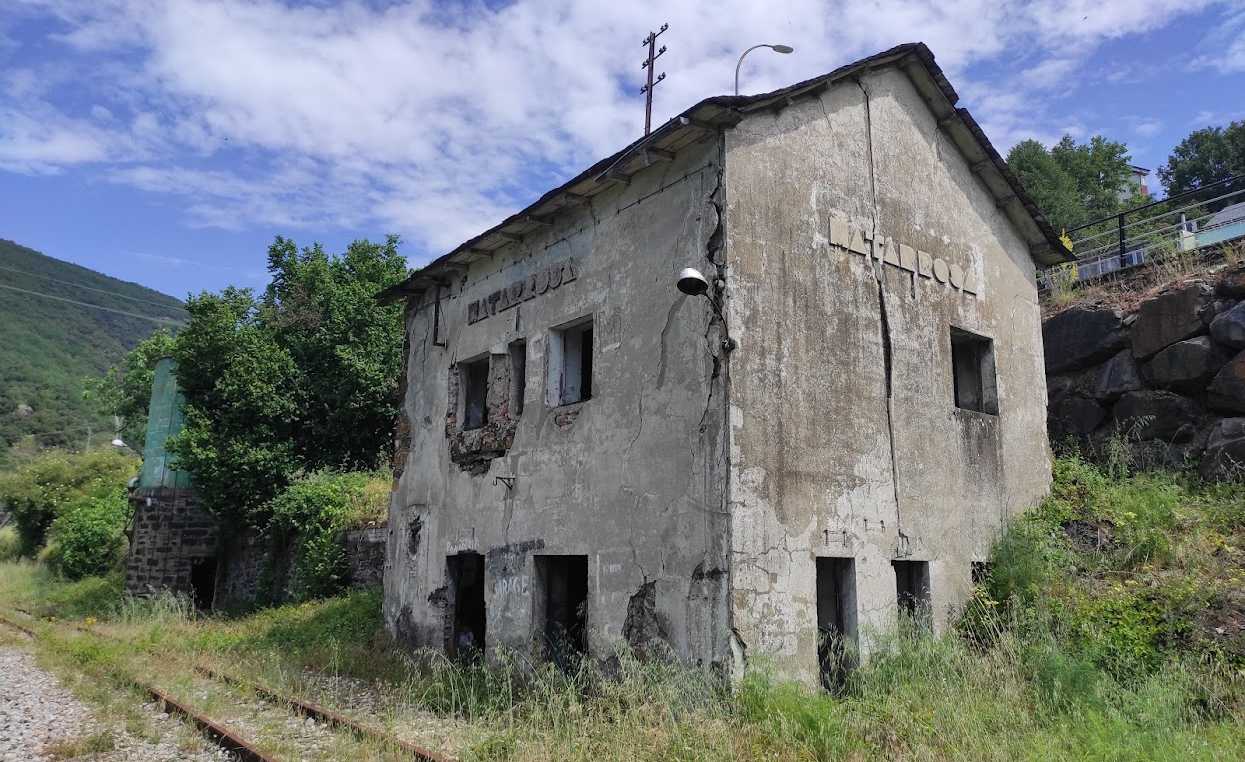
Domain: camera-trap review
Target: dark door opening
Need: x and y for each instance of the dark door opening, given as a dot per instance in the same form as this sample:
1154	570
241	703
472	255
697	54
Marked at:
912	589
563	602
836	619
203	582
466	576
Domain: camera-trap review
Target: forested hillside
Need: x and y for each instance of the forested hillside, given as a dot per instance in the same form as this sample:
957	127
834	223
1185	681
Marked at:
61	324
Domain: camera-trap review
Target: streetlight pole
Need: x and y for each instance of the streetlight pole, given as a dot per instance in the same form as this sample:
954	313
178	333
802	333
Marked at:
784	49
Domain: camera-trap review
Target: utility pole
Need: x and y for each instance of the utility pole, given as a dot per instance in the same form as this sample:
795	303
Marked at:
647	90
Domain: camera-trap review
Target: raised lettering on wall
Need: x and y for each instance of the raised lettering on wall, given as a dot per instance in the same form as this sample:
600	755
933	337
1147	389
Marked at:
857	240
540	282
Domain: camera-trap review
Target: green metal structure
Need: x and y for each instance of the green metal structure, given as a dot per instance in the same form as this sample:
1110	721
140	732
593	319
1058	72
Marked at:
164	419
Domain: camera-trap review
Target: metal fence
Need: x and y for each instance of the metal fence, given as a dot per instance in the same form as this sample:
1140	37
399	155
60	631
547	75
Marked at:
1150	232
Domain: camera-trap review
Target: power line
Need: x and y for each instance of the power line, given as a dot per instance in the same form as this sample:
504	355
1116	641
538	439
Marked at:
91	288
162	321
71	429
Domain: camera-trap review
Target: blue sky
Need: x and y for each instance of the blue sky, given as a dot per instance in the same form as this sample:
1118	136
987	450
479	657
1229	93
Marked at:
167	141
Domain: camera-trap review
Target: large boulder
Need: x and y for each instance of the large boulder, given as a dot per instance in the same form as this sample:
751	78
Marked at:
1227	390
1155	414
1232	282
1117	376
1075	416
1224	458
1186	366
1228	328
1171	316
1082	336
1103	382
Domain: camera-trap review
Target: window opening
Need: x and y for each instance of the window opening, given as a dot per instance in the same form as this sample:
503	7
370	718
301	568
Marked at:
836	619
563	604
972	371
570	364
912	588
466	578
474	379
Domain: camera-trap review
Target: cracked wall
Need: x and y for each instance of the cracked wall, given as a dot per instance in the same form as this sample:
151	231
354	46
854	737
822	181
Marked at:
633	478
845	440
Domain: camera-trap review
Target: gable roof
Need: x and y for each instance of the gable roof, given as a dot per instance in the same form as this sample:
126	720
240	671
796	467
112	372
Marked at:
725	111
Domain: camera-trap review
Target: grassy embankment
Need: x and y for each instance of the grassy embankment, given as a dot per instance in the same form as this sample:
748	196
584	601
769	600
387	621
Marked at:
1113	627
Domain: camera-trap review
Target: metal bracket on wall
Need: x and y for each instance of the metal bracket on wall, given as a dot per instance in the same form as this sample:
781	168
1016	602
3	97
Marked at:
506	480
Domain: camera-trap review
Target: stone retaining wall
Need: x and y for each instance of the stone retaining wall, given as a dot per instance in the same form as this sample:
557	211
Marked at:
1168	375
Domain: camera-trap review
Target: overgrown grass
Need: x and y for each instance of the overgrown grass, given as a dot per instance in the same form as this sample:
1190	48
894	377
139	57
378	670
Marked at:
1109	628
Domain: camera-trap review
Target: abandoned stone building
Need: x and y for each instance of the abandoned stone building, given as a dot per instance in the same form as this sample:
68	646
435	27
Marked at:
591	453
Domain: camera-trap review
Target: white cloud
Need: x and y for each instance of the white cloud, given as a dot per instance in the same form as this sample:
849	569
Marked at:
1226	43
435	120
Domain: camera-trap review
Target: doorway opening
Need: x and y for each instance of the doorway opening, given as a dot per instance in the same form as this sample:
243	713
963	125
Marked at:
836	619
203	582
562	601
466	577
912	589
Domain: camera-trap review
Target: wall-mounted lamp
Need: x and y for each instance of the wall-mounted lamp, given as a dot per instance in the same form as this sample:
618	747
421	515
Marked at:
693	283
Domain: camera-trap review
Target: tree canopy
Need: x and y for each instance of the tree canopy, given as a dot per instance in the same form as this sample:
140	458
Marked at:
1206	156
1074	183
301	377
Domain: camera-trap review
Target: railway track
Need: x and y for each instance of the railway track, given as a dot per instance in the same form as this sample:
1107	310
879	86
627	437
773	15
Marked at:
232	739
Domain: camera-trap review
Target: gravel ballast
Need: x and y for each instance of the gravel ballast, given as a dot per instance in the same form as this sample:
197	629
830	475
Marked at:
39	716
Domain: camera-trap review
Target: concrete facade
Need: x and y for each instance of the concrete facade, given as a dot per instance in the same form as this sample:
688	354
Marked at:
860	232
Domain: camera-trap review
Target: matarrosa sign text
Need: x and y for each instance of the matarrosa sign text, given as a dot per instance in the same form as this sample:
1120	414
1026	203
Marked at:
542	281
885	249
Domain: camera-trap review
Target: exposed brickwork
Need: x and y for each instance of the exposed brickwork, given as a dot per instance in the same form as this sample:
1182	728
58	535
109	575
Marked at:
472	450
366	550
170	534
242	562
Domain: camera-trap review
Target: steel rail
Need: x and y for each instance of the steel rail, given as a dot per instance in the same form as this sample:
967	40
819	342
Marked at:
219	733
320	713
304	708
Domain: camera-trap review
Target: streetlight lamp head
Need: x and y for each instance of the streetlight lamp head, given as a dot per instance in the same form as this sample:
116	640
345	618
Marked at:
782	48
118	443
692	283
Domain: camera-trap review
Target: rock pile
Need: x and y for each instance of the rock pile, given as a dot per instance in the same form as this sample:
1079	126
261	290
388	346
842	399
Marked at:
1169	376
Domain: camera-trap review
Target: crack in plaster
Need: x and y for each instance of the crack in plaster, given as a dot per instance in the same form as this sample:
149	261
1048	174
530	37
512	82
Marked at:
883	317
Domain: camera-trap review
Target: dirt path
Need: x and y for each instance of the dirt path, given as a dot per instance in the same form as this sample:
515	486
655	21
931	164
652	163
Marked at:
40	719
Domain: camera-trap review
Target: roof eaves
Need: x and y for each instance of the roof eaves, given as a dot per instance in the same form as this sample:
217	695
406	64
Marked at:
728	112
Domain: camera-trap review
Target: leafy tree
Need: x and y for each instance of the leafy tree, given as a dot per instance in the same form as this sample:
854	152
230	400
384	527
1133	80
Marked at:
1052	187
125	390
1073	183
300	378
1206	156
1100	169
38	491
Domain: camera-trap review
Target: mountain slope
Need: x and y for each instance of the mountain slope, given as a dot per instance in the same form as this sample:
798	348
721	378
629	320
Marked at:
52	340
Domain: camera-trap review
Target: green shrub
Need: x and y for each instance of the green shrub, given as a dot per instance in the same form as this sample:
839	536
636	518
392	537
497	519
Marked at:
39	490
88	537
89	596
316	510
10	544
